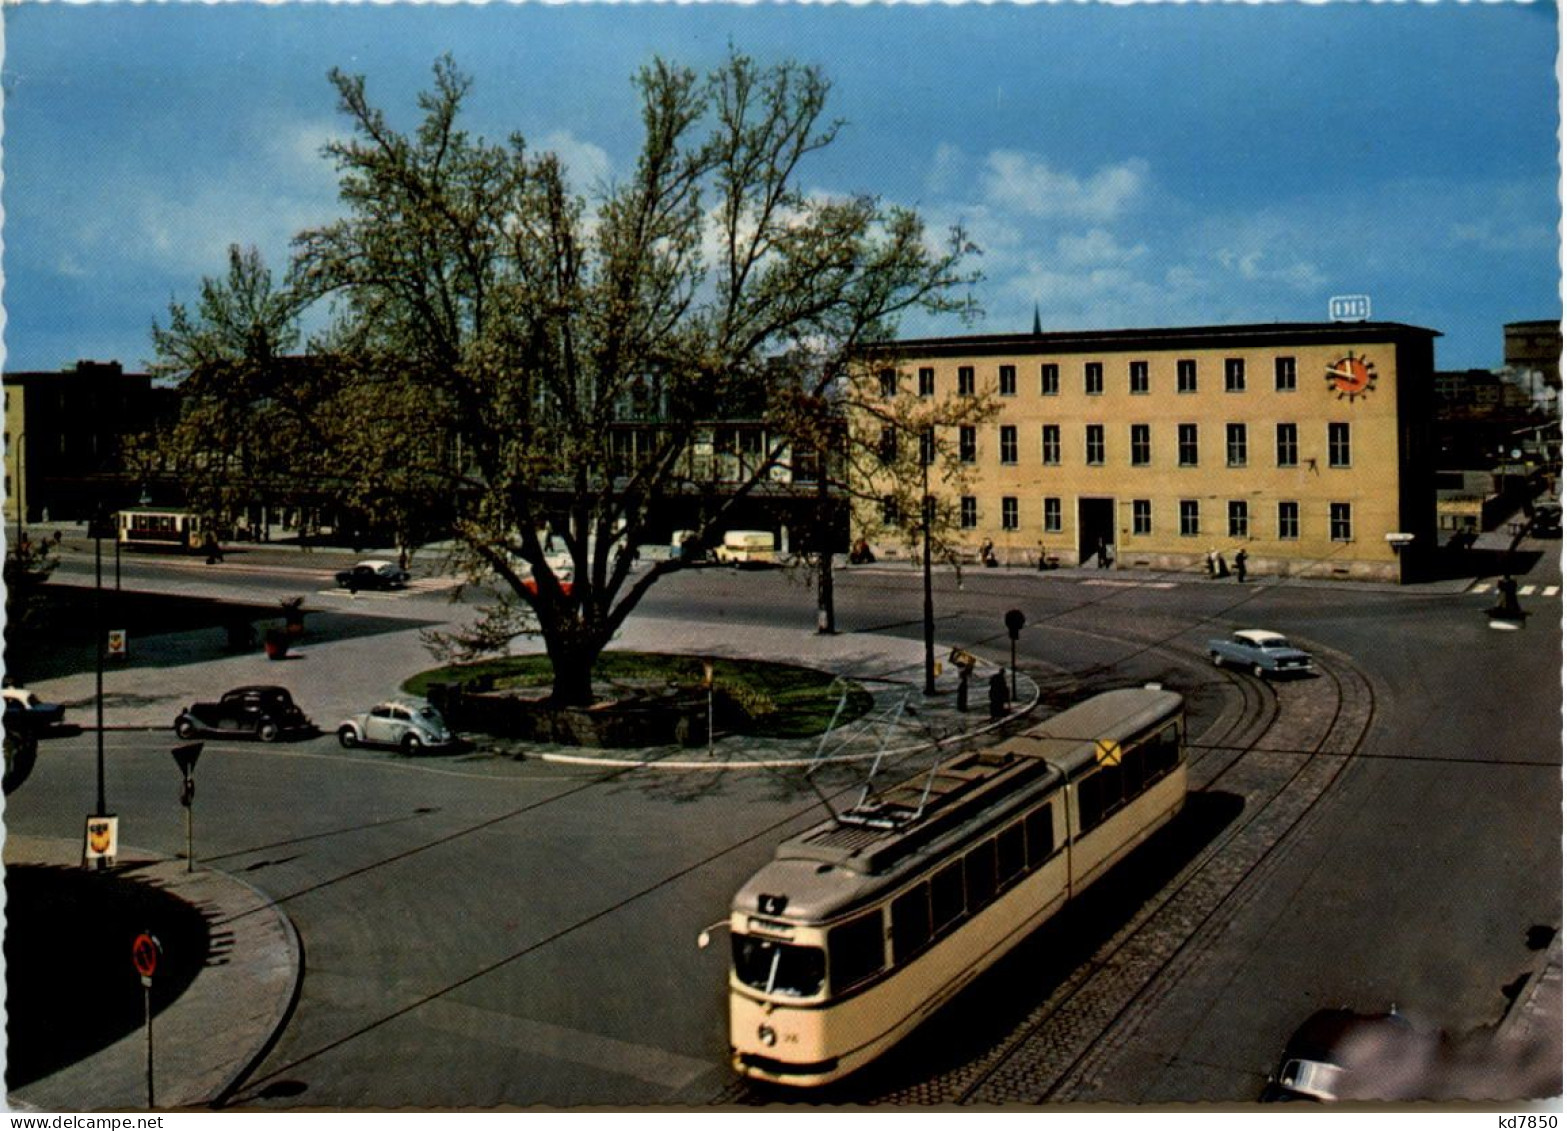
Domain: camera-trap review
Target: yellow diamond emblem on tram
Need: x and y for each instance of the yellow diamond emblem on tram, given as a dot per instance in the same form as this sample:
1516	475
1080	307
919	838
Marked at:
1107	752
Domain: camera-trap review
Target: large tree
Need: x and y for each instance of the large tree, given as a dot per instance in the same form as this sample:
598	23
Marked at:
544	361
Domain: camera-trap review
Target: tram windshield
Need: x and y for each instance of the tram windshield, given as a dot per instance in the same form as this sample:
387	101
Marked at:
779	968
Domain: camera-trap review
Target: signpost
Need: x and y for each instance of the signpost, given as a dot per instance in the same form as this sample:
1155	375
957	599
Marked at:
185	758
145	952
1015	621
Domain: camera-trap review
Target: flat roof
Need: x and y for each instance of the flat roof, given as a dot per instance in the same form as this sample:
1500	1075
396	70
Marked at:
1156	338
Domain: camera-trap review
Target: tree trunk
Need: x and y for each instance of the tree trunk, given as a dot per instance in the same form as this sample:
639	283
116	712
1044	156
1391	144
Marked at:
573	662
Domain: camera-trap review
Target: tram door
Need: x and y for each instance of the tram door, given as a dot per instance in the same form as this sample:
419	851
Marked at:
1095	522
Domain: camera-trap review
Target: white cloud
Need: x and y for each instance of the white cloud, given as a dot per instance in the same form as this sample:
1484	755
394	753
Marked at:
1097	247
588	167
1021	183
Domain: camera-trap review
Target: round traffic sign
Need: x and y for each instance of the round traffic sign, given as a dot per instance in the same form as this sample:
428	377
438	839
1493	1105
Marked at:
144	952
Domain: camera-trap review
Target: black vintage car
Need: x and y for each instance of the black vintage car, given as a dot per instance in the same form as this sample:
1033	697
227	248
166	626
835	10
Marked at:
264	712
373	574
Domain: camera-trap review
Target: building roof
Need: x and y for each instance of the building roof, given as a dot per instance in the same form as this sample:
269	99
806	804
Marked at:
1158	338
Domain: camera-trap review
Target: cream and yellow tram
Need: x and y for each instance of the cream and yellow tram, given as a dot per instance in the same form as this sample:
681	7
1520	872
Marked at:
862	927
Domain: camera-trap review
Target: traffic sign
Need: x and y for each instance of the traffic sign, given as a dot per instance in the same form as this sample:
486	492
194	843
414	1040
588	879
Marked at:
185	756
116	644
144	953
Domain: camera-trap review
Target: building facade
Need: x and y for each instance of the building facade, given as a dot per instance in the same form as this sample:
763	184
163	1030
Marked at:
1307	445
66	439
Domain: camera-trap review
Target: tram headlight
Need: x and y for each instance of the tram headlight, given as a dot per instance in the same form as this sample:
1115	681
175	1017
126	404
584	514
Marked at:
767	1035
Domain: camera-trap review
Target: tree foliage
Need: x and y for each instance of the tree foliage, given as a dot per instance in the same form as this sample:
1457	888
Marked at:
524	358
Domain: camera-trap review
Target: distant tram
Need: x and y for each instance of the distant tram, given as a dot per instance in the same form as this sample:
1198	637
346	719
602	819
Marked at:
169	530
861	928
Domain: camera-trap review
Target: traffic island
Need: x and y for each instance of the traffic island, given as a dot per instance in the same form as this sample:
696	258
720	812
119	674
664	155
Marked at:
642	699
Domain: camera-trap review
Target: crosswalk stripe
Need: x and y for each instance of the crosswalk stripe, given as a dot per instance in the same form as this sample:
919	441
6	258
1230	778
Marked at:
1526	591
1550	590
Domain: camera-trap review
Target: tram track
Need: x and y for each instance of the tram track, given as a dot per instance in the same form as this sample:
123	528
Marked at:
1059	1049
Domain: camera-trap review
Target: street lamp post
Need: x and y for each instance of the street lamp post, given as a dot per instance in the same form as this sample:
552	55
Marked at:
98	632
930	603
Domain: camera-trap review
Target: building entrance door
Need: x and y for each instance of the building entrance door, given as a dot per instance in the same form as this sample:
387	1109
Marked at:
1095	524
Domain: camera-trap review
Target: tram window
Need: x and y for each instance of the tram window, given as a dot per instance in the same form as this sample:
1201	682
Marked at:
856	949
946	895
1094	799
979	870
1041	835
910	922
1009	853
1132	768
778	968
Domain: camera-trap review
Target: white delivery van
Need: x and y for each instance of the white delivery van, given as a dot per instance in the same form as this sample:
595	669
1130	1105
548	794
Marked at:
748	547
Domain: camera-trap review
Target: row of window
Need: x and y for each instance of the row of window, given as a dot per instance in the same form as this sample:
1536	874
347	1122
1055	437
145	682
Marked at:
929	909
1093	378
1238	513
1237	445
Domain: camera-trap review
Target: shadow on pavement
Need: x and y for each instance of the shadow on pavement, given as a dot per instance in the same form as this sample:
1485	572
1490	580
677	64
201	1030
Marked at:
71	986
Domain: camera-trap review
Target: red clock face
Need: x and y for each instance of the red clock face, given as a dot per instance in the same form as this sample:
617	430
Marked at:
1352	377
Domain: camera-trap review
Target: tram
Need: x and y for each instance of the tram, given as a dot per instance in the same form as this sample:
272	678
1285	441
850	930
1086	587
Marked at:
862	927
161	529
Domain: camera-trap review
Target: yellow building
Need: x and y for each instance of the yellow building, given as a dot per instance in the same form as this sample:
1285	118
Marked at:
1307	445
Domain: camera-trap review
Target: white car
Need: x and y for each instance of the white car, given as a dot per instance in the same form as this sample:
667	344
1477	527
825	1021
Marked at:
409	726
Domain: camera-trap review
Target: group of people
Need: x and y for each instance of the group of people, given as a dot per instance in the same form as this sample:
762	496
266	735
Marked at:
1218	567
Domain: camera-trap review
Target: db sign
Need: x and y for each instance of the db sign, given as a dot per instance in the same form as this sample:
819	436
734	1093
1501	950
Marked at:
1349	308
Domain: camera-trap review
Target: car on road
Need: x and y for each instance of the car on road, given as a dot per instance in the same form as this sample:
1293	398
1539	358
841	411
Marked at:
25	713
262	711
373	574
1339	1054
1547	521
1265	653
410	726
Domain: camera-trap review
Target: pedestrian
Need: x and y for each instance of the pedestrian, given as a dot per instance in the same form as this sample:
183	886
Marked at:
1102	554
1221	567
987	553
998	694
1240	565
1044	558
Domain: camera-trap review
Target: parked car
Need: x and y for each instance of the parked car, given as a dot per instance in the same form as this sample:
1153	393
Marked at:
25	713
264	712
1265	653
410	726
1547	521
373	574
1338	1054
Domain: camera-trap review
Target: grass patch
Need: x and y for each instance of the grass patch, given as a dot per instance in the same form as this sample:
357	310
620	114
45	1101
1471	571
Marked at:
773	700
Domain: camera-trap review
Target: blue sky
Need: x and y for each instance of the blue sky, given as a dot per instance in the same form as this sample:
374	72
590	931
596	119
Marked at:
1120	166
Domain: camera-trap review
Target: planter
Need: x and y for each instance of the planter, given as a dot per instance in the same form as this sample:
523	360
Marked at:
276	643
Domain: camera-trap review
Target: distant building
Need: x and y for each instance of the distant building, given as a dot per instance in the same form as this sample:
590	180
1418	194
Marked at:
1308	445
66	439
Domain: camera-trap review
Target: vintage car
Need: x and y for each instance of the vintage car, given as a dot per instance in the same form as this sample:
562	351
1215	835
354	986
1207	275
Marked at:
1265	653
263	712
25	713
373	574
411	726
1338	1054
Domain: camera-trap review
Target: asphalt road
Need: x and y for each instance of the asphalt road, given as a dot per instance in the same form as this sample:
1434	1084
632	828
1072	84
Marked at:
482	933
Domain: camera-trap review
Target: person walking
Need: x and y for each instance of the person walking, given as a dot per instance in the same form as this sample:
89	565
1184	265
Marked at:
1240	565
